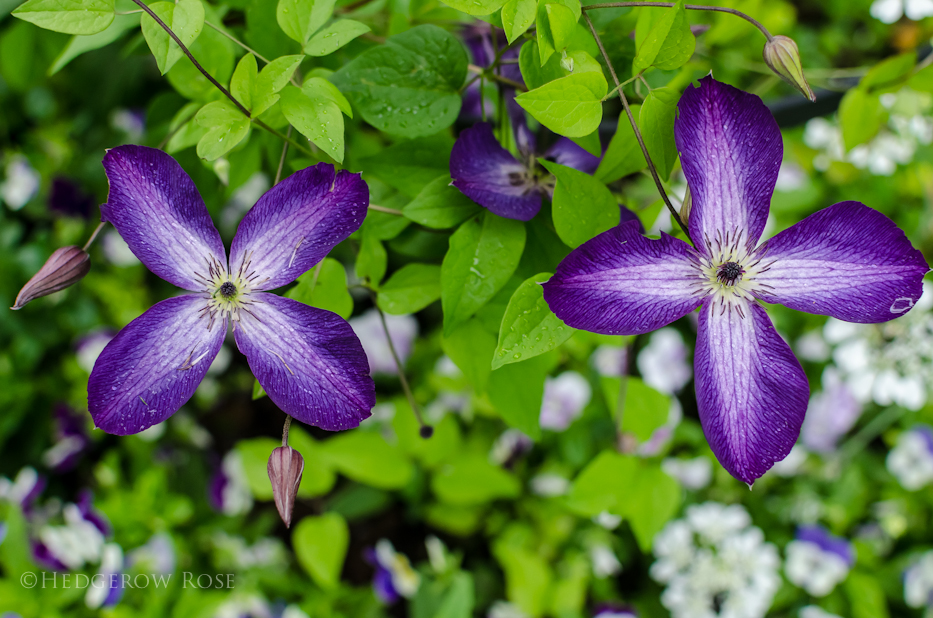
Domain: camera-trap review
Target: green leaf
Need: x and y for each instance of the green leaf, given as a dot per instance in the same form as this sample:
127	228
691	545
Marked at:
475	7
226	127
410	165
656	122
624	155
645	409
68	16
547	40
214	53
320	545
482	255
273	77
562	23
651	502
866	596
81	44
889	72
470	347
410	85
517	390
471	479
533	71
459	599
591	142
603	485
669	44
367	458
320	88
335	36
372	259
440	205
582	206
529	327
328	292
244	79
860	116
299	19
186	19
569	106
411	288
318	118
528	578
517	16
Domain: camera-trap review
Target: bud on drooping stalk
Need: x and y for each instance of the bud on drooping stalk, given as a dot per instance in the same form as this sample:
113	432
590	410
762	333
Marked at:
64	268
686	207
782	57
285	468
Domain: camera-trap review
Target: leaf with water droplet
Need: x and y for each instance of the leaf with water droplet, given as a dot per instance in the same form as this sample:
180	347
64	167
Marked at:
317	118
335	36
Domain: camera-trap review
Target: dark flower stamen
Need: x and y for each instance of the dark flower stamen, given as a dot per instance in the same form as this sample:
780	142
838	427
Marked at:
227	290
729	273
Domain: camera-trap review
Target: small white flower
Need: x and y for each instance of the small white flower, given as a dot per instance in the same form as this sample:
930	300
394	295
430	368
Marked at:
918	582
911	460
21	183
503	609
117	251
607	520
236	497
814	611
368	327
813	569
605	563
693	473
549	485
405	579
664	362
889	11
610	360
111	563
564	399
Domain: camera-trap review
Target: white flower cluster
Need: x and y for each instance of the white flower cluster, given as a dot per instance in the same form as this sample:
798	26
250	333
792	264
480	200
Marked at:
896	144
889	11
911	460
918	582
890	363
715	563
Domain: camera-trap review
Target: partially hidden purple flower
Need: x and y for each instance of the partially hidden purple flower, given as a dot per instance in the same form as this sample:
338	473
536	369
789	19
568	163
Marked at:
817	560
394	577
614	610
24	489
66	197
228	491
71	439
106	587
830	415
847	261
492	177
308	360
478	38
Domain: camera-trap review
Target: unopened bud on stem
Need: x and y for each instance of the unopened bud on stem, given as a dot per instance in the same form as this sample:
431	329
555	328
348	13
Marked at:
782	57
285	468
64	268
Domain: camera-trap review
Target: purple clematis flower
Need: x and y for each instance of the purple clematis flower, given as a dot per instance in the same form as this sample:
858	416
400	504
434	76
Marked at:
489	175
308	360
847	261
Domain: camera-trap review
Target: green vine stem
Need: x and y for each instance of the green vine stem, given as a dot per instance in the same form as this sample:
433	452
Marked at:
689	7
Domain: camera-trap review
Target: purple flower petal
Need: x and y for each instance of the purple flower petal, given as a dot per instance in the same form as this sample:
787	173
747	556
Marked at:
161	216
153	366
296	223
308	360
489	175
828	542
525	140
566	152
622	283
751	391
730	149
847	261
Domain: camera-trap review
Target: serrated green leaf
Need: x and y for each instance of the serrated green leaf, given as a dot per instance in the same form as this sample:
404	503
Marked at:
483	254
325	288
669	43
529	327
440	206
656	122
299	19
226	127
411	288
517	16
335	36
410	85
320	545
582	206
569	106
80	44
860	117
319	119
68	16
624	155
185	18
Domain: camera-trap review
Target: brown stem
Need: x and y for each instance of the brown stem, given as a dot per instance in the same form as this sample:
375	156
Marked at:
689	7
631	119
288	424
390	211
90	241
278	172
497	78
184	49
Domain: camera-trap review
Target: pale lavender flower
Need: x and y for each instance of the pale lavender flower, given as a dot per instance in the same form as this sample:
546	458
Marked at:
368	327
394	577
564	399
830	415
229	490
106	588
664	363
918	582
21	183
911	459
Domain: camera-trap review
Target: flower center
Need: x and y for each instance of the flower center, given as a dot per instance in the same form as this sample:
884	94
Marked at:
227	290
729	273
729	270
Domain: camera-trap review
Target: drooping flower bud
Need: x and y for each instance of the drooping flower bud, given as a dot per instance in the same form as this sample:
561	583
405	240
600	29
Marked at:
285	468
782	57
686	207
64	268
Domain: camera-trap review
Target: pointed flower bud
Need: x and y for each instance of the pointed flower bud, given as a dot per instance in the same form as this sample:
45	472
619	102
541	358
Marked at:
782	57
285	468
686	207
64	268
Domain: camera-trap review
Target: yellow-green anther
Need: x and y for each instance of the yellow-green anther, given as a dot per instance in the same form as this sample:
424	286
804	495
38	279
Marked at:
782	57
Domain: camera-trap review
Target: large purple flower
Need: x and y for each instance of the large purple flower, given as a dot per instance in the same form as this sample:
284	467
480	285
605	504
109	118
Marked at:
512	188
308	360
847	261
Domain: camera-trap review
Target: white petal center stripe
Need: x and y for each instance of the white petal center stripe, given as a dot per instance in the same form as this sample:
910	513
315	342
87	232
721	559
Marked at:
730	271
